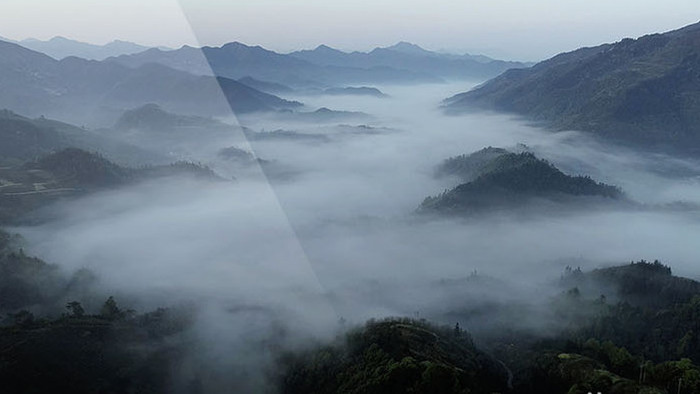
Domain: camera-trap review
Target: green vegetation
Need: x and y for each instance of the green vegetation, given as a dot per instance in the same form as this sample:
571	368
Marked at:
24	139
73	172
503	179
111	352
397	356
25	281
153	118
114	350
609	347
644	92
469	166
74	167
615	339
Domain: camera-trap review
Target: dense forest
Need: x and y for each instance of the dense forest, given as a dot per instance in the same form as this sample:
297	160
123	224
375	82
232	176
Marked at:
496	178
623	342
629	329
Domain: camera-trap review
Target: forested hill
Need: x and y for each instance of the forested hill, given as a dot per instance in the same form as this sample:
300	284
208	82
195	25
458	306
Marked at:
607	345
396	356
643	91
71	173
505	179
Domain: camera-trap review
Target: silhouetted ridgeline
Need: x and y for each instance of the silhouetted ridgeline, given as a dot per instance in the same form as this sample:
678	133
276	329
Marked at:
74	88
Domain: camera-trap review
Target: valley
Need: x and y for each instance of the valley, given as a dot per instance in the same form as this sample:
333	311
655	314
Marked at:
235	219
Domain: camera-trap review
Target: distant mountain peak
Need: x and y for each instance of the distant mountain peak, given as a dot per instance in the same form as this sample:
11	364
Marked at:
407	47
234	44
239	45
327	49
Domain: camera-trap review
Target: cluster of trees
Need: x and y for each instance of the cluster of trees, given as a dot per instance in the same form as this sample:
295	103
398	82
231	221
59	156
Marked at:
617	342
79	168
49	344
114	351
622	342
396	356
469	166
510	179
524	172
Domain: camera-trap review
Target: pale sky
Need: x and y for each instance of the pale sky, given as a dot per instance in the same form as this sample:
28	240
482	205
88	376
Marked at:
512	29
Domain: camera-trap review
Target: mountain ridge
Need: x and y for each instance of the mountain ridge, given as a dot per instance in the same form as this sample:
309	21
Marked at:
643	91
60	47
37	84
408	56
323	66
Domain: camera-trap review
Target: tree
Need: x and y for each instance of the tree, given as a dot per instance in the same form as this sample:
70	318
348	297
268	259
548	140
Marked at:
75	309
110	310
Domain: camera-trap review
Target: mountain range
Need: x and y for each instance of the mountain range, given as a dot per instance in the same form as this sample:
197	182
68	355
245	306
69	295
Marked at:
323	66
407	56
643	92
72	89
61	47
203	81
236	61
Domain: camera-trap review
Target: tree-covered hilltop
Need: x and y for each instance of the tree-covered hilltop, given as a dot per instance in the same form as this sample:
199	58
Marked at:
607	345
640	284
152	117
72	167
73	172
647	310
467	167
396	356
26	139
504	179
643	91
623	336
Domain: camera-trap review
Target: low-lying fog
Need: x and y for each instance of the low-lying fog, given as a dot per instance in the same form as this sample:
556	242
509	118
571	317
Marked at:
338	237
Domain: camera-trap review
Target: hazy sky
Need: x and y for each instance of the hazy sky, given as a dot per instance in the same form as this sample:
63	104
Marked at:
527	30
